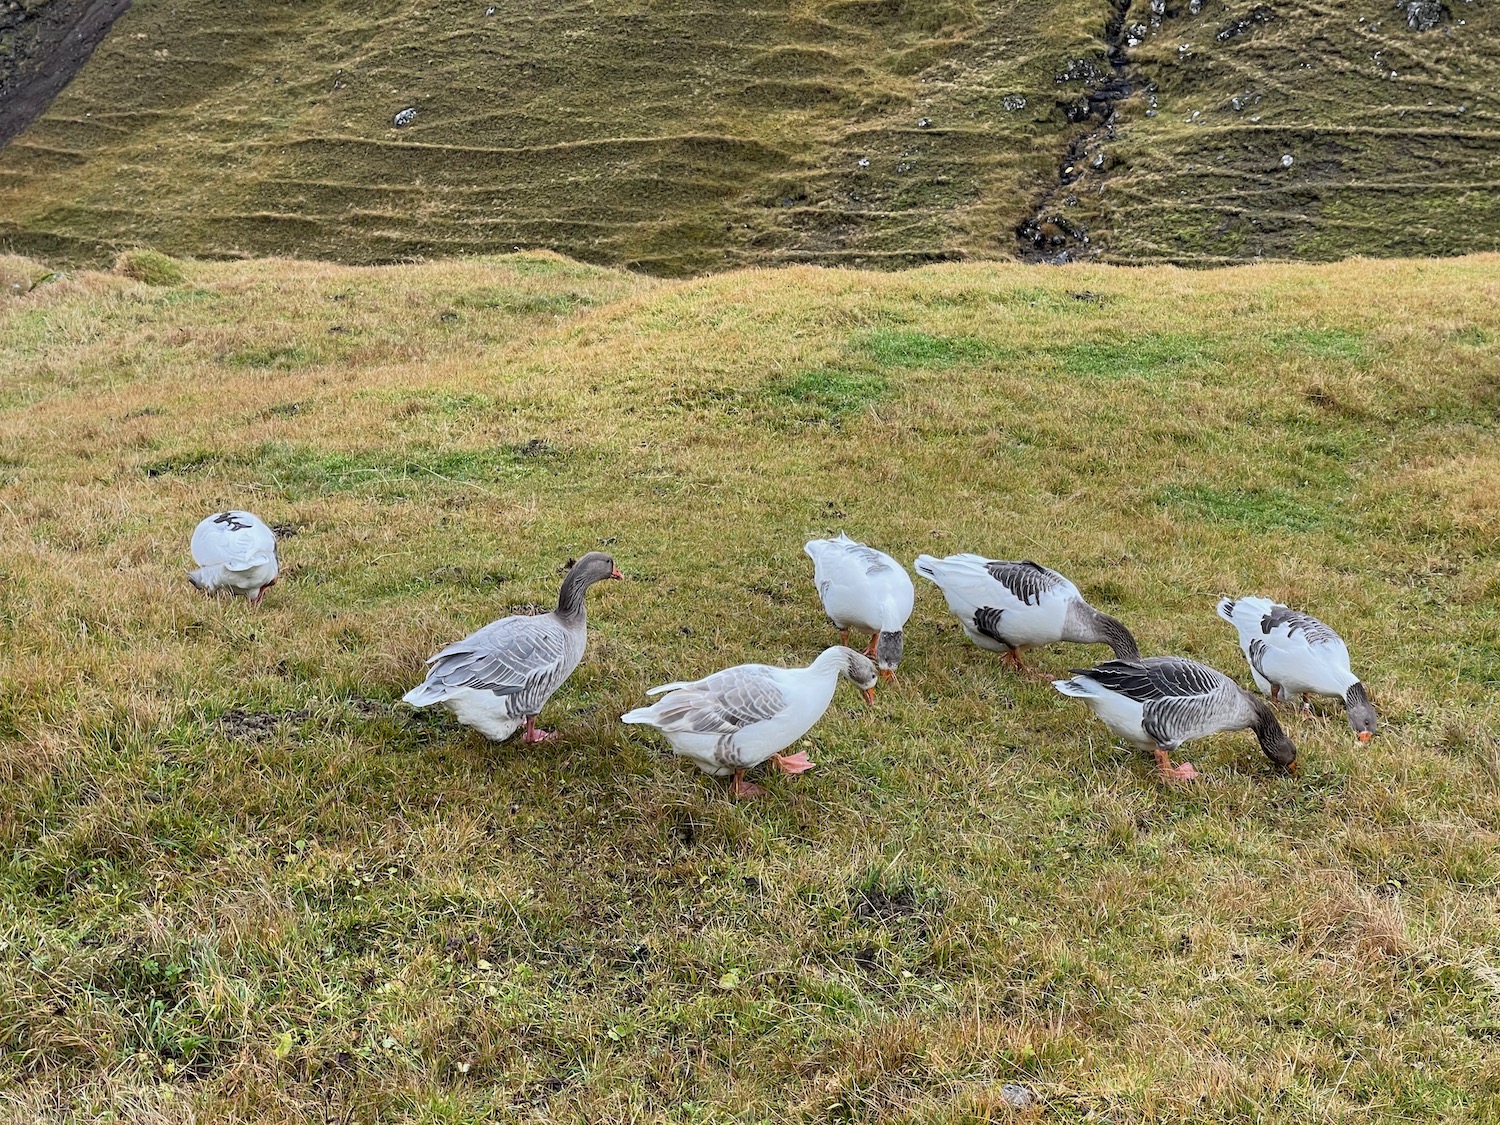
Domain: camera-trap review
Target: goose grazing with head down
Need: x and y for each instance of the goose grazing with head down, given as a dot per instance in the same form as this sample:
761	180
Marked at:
1292	653
863	588
235	551
1163	701
496	680
734	720
1008	606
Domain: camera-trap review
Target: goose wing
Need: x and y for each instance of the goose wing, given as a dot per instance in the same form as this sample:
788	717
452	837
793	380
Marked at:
520	656
234	540
1181	699
724	703
1029	582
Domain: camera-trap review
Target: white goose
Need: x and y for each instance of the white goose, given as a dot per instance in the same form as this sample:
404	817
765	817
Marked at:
235	551
863	588
497	679
1293	653
734	720
1163	701
1008	606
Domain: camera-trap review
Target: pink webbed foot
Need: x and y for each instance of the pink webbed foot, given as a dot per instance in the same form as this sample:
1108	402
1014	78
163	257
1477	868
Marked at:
792	763
744	790
536	734
1168	772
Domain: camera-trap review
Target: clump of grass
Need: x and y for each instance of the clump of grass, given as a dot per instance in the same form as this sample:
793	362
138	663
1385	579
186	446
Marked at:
150	267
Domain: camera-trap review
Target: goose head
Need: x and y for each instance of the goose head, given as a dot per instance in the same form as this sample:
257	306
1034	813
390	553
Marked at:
855	667
1361	713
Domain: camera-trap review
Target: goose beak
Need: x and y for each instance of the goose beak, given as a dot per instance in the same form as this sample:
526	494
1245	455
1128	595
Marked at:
1293	769
615	573
1366	735
869	694
888	675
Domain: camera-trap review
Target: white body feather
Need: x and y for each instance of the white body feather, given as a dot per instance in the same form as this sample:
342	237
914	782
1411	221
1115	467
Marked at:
1121	714
855	594
968	586
1290	656
234	551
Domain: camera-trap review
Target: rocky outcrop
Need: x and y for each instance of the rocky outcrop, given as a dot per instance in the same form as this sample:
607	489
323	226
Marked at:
43	43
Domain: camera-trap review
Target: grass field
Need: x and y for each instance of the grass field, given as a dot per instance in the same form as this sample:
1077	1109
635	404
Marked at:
241	882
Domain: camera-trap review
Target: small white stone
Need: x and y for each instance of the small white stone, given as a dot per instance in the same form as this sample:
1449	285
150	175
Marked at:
1286	161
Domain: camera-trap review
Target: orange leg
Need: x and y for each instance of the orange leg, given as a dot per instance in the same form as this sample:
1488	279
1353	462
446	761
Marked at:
843	636
870	648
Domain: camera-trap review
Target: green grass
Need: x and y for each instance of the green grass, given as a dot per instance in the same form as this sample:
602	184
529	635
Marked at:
240	881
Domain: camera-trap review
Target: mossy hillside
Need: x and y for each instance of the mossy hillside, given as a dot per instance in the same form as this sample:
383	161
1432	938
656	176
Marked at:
666	137
240	880
1306	131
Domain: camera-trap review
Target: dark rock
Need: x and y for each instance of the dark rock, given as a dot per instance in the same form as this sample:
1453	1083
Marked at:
1424	15
1246	23
1079	70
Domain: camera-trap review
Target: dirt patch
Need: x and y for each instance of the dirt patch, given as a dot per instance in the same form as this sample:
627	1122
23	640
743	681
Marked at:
42	45
239	723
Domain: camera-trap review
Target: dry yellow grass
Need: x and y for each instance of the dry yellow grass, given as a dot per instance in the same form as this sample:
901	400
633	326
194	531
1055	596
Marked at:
241	882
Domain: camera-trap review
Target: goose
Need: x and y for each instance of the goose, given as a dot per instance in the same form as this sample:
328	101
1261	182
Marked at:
1293	653
235	551
496	680
1163	701
863	588
736	719
1007	606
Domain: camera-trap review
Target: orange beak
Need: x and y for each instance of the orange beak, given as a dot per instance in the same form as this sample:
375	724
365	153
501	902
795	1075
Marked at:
888	675
869	694
1293	769
1366	735
615	573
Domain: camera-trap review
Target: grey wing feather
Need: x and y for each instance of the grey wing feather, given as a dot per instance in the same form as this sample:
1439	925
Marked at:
1257	654
1027	580
1316	633
1158	677
507	657
987	622
723	703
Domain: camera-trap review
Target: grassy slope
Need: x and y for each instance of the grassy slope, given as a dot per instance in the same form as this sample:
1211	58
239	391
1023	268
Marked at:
1394	135
681	137
238	877
669	136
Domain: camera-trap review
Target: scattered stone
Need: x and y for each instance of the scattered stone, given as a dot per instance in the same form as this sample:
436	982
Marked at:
1017	1097
863	161
1195	6
924	122
1424	15
1013	102
1079	70
405	117
489	11
1259	14
1286	161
